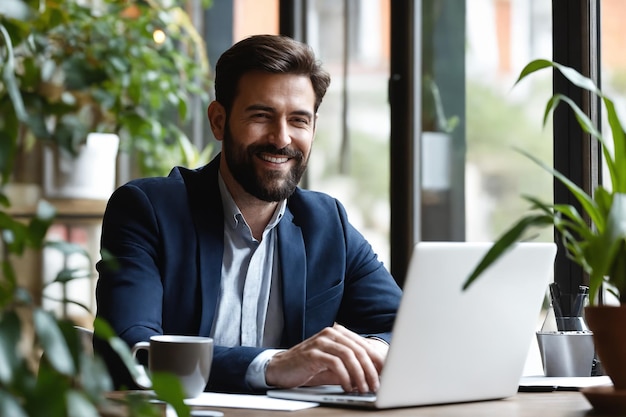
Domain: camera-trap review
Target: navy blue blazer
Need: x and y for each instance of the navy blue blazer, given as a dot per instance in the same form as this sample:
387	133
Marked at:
167	236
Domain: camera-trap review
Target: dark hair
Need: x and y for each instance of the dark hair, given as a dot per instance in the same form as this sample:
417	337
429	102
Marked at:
267	53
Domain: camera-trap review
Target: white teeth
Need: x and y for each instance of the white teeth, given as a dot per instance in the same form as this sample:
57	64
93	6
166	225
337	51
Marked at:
274	160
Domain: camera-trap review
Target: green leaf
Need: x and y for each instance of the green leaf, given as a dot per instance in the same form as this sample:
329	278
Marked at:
8	284
39	225
15	9
618	176
67	248
70	274
602	252
14	234
53	342
94	375
50	390
109	260
103	330
9	406
571	74
587	203
603	198
4	200
168	388
10	331
532	67
504	243
79	406
583	120
68	301
8	149
138	406
8	76
578	79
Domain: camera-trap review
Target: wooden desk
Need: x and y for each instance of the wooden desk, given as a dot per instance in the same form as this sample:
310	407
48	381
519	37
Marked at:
549	404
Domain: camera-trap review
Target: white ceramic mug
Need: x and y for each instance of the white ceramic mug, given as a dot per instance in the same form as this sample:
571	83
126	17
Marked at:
187	357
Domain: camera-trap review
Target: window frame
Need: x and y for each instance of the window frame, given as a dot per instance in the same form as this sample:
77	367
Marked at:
576	44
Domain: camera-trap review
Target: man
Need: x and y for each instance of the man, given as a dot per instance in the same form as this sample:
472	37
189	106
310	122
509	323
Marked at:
291	293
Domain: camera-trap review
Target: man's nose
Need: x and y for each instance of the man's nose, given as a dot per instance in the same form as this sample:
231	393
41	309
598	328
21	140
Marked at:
279	136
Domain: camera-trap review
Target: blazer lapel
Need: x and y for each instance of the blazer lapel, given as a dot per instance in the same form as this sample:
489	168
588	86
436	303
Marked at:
206	209
293	271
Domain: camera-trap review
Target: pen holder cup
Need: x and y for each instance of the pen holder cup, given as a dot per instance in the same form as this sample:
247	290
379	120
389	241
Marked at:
571	324
566	354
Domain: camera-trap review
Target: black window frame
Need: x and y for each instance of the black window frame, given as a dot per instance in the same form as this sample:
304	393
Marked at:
576	43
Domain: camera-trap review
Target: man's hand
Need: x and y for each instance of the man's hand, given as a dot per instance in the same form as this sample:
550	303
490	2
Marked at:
335	355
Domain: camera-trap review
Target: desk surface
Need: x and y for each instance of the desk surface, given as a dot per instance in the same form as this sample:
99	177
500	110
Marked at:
66	209
549	404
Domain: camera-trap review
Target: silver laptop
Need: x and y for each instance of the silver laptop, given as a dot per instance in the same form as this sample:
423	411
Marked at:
451	345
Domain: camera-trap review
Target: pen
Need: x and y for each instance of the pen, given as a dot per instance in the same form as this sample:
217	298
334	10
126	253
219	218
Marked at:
579	302
555	296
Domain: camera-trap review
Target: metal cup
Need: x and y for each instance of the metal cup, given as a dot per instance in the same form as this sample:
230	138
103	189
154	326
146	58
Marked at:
566	354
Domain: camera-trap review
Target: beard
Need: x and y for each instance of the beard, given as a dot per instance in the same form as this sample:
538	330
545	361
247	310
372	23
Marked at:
271	186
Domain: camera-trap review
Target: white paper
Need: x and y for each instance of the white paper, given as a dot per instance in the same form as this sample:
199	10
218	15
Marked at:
259	402
564	382
170	412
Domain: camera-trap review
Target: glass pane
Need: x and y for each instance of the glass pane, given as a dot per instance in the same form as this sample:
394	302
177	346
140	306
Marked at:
613	64
502	37
350	158
613	79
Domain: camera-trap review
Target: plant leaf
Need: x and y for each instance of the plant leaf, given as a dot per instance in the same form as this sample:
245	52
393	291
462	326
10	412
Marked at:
79	406
94	375
68	301
67	248
53	343
531	67
618	176
504	243
602	252
9	406
8	76
10	330
169	389
587	203
103	330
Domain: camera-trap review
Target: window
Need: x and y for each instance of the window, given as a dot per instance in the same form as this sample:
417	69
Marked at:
456	118
350	157
390	59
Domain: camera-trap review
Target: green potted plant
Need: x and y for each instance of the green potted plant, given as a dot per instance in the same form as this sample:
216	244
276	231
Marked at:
599	247
115	66
45	369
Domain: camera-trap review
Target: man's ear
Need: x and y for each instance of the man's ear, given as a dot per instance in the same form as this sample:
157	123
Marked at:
217	119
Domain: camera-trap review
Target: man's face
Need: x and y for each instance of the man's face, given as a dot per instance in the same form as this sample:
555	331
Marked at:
269	132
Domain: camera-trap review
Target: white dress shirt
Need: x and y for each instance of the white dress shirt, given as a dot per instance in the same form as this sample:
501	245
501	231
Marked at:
249	308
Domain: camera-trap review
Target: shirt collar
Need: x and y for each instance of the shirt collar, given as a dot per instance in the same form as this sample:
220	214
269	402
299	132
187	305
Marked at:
232	214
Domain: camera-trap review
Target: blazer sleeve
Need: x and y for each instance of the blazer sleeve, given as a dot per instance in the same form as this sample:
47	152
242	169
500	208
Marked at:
345	280
371	295
129	291
143	293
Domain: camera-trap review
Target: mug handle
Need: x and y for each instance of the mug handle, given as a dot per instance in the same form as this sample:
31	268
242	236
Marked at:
141	377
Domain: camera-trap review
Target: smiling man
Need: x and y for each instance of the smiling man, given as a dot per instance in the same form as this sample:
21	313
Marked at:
290	291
